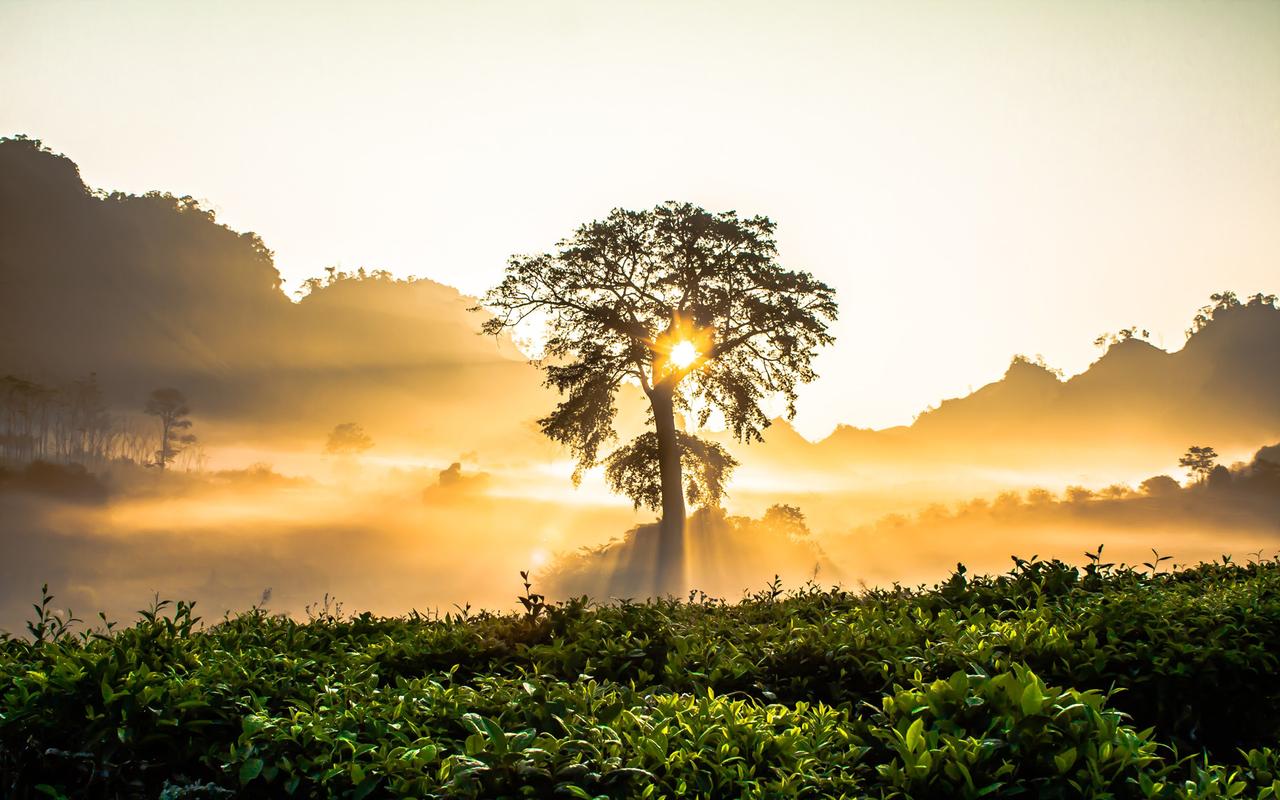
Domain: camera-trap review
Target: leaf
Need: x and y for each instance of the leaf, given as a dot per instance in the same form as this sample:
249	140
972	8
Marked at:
496	737
915	734
1032	699
1064	760
250	769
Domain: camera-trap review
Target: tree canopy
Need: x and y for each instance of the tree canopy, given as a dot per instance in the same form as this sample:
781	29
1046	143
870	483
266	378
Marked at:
621	292
347	438
1199	462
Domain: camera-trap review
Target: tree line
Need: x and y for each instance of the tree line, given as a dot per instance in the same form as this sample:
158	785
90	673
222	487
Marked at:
73	423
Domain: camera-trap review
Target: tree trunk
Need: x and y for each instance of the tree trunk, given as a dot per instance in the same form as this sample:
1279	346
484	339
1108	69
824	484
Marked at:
670	569
163	455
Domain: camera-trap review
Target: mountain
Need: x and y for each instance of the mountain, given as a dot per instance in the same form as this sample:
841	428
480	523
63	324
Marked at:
1136	407
149	291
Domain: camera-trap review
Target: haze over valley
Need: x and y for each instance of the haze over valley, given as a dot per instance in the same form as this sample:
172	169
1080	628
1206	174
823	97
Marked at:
360	437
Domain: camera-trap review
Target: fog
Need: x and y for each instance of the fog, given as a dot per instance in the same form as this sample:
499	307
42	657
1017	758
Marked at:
379	539
391	539
443	489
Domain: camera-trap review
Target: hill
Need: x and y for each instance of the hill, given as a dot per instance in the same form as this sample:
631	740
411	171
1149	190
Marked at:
151	290
1131	409
148	291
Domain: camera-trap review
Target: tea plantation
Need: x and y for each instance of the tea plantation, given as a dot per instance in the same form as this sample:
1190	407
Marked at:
1049	681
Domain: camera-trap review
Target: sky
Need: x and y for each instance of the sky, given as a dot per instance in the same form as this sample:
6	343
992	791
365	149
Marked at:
975	179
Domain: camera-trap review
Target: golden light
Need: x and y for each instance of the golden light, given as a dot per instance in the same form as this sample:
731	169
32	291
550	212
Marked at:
683	354
682	347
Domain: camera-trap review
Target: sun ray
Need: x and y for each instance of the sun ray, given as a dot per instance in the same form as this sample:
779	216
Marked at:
683	354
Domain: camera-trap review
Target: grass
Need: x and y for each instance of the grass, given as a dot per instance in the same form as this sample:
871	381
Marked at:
1048	681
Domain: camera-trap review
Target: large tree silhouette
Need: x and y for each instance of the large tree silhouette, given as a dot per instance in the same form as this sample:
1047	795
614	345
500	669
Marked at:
694	308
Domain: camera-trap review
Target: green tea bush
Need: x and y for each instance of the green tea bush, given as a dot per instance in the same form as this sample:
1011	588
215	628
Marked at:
1048	681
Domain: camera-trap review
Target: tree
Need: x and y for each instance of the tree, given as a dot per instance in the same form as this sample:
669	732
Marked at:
347	438
1221	302
170	405
1121	336
786	519
692	307
1159	486
1199	462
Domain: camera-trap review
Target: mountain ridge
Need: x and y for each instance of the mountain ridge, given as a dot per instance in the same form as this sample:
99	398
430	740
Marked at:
151	289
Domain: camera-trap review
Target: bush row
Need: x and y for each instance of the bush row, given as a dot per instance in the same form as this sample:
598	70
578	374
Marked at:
1049	680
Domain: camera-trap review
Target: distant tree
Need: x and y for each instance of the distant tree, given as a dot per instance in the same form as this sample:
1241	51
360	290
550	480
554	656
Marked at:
1079	494
26	406
1224	300
1199	462
1116	491
170	406
347	438
786	519
1006	504
1220	302
1122	335
335	276
1159	486
1039	497
692	307
1036	361
451	476
1263	476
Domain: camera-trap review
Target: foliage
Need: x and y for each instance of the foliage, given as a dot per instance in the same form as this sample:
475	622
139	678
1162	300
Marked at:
706	467
337	277
1121	336
347	438
619	294
787	519
67	423
170	407
1037	361
1226	301
1199	462
1048	681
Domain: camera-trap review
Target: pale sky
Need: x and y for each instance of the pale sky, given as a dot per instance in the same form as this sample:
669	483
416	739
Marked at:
976	179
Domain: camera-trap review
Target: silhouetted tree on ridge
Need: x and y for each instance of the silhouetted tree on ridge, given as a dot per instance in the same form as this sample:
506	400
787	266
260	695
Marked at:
1199	462
1227	301
694	308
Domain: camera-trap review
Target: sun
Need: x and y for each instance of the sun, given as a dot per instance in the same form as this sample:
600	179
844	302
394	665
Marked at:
683	354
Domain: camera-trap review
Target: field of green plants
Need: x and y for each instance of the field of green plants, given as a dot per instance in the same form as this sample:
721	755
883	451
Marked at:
1049	681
